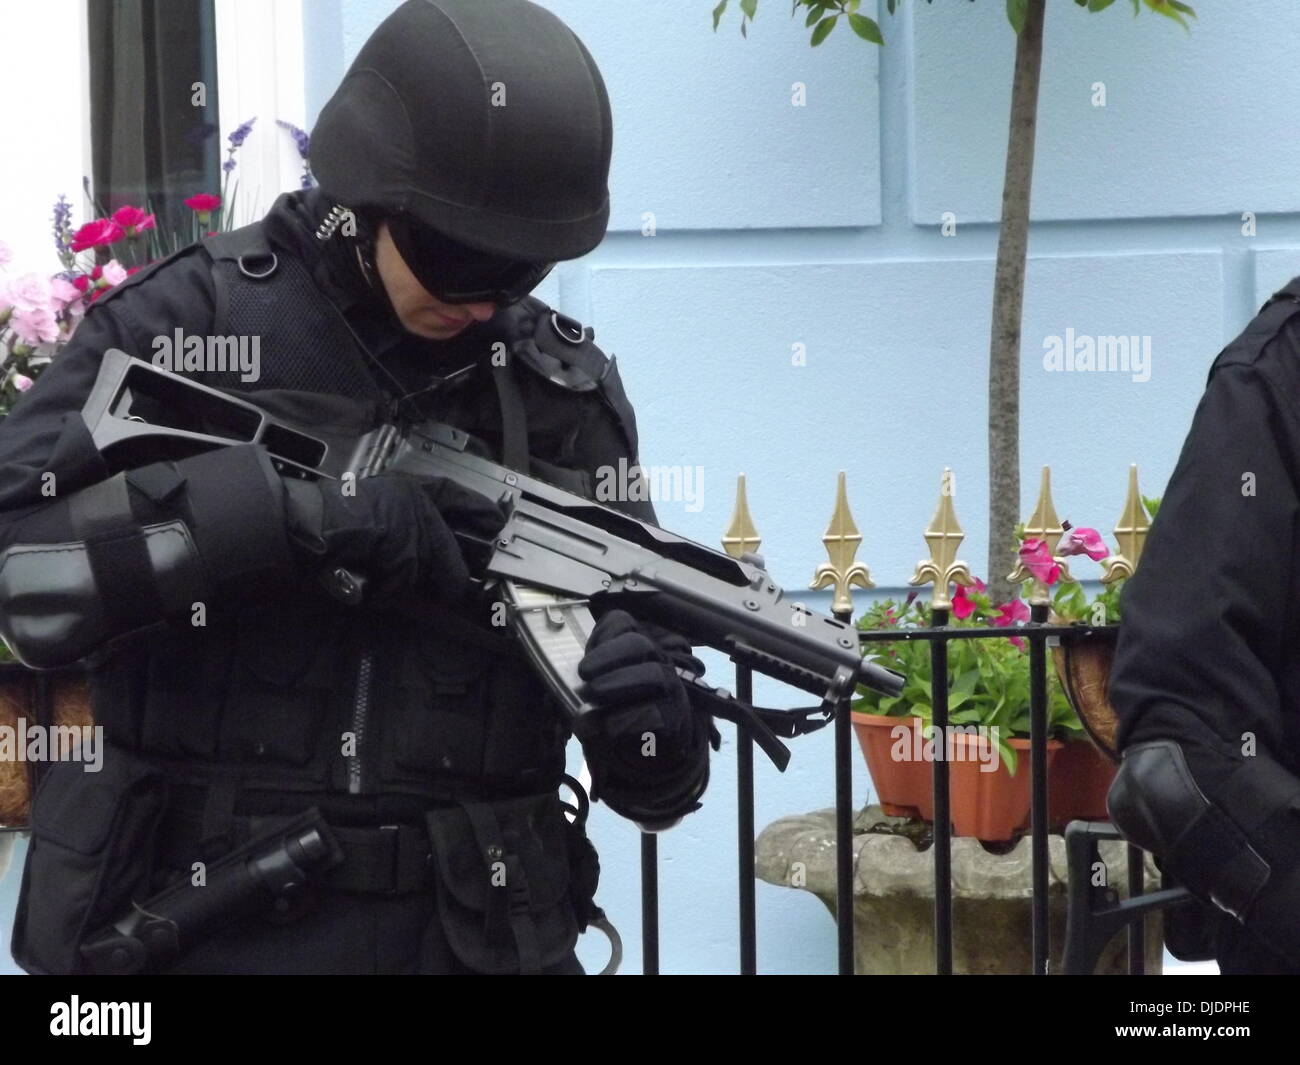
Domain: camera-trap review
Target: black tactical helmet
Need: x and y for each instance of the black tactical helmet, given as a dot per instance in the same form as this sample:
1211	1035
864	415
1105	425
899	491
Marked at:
485	120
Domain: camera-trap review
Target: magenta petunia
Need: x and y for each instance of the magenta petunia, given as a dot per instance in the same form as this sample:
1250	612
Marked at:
96	234
1083	541
1038	560
1010	613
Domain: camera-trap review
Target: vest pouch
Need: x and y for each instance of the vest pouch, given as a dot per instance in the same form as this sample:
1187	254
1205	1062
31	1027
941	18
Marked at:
289	666
503	883
441	712
90	855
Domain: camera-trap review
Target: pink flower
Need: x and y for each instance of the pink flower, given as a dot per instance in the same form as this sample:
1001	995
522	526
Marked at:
1083	541
35	325
30	292
22	382
114	272
63	293
6	255
203	202
93	234
133	220
962	605
1038	560
1008	614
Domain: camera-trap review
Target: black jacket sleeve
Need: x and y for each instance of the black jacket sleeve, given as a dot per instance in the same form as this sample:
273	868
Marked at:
72	551
1208	620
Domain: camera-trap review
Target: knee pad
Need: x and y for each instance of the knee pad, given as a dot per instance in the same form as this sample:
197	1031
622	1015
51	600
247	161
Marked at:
1228	829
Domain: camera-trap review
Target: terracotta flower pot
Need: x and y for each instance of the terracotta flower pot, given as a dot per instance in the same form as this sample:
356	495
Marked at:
904	783
990	805
1077	786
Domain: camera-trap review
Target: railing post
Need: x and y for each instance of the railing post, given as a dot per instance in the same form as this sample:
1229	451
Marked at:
649	904
942	801
745	829
1038	614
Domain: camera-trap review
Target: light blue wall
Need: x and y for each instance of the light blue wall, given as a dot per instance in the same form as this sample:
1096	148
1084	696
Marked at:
779	225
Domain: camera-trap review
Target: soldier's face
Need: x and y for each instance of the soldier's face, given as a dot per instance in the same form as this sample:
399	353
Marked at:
419	312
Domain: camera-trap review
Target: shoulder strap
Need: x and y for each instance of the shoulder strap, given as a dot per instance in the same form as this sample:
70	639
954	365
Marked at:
565	352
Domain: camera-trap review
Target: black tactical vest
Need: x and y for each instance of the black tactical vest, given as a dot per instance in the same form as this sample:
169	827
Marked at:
303	694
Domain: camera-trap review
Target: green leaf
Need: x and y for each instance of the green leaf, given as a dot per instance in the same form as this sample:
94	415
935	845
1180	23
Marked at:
1099	5
717	13
1172	9
749	7
814	13
866	29
1017	10
823	29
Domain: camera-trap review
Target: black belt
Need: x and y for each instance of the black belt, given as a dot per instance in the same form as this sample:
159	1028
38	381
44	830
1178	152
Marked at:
378	860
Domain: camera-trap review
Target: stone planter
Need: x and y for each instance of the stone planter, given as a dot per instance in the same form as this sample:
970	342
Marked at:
893	896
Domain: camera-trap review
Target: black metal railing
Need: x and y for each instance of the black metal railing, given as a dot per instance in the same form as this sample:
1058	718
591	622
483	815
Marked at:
1037	632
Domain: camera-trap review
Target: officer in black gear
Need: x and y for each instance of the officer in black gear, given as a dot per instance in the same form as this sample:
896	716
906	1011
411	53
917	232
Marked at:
1205	674
465	152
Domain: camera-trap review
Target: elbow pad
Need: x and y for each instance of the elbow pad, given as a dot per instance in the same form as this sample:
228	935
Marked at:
1227	828
146	545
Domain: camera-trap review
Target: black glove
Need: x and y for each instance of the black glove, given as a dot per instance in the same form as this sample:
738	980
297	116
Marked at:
397	531
647	746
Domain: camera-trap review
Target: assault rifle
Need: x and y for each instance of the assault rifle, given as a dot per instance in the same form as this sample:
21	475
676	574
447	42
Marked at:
556	554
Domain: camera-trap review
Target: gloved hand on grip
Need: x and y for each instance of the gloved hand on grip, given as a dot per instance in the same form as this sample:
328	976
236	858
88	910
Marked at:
647	746
397	531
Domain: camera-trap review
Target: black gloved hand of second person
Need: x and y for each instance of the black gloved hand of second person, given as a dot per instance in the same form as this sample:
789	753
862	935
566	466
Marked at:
397	531
647	743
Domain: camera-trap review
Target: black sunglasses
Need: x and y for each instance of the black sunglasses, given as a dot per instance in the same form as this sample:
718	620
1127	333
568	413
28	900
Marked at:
457	273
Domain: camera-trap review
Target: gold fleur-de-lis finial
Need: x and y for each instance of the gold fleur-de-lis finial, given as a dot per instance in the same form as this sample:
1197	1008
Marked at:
1044	525
944	536
1130	534
741	537
842	540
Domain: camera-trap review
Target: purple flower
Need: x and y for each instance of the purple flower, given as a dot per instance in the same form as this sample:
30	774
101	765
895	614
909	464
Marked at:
62	228
301	138
237	139
241	134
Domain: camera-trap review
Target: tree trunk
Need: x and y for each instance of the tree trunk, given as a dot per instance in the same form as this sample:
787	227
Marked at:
1008	299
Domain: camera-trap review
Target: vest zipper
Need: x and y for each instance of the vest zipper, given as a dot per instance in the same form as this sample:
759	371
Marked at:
360	709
